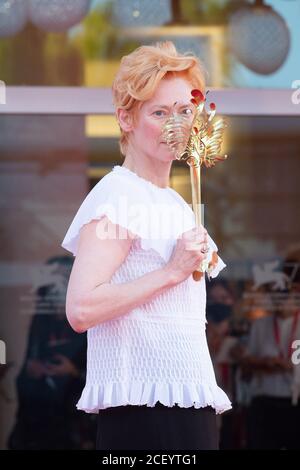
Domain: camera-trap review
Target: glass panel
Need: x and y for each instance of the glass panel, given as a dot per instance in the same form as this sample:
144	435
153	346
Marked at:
49	163
82	46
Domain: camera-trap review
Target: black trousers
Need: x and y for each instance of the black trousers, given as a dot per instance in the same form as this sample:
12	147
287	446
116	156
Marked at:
133	427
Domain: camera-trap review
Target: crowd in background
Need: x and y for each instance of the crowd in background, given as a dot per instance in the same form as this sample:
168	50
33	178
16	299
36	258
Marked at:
250	346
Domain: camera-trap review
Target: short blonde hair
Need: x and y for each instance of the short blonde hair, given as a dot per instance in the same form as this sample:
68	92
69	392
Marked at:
141	71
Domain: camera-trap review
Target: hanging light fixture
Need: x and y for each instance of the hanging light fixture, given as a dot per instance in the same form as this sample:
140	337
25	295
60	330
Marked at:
13	17
259	38
55	15
128	13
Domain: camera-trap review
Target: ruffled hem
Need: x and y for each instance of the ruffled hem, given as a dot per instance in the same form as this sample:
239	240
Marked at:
97	397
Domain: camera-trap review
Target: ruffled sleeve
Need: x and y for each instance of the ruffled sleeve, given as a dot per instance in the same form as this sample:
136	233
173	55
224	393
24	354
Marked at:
111	196
215	262
137	207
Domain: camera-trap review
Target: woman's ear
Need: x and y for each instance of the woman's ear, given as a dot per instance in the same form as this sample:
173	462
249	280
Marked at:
125	120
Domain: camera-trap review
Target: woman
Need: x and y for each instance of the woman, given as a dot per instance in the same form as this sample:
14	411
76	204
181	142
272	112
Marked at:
149	373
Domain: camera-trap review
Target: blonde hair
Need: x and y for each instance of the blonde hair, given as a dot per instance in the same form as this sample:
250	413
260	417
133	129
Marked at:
141	71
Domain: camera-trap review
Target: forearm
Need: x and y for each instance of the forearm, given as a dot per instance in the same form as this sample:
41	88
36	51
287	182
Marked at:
108	301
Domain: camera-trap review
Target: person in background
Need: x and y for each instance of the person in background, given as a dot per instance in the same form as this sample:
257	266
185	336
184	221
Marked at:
273	415
219	312
52	375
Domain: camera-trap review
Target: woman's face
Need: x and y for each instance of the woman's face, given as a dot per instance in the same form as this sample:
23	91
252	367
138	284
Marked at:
146	137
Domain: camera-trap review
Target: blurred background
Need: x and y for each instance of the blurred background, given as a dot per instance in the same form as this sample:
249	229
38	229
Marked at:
59	137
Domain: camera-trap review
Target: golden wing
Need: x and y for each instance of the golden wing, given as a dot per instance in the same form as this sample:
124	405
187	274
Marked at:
176	133
198	142
207	141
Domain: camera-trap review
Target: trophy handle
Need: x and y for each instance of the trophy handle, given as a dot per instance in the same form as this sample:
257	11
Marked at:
197	145
195	174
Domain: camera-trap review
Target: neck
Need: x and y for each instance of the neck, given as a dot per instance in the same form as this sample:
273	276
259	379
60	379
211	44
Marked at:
151	169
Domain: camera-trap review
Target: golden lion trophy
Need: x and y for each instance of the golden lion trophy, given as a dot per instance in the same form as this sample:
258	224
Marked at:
198	143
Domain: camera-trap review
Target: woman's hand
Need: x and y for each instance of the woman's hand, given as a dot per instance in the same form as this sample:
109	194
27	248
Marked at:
191	249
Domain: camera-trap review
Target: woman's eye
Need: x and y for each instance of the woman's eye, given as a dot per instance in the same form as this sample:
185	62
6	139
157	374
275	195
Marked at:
157	113
189	111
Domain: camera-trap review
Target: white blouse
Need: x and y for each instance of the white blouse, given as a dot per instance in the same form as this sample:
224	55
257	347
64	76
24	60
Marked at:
158	351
